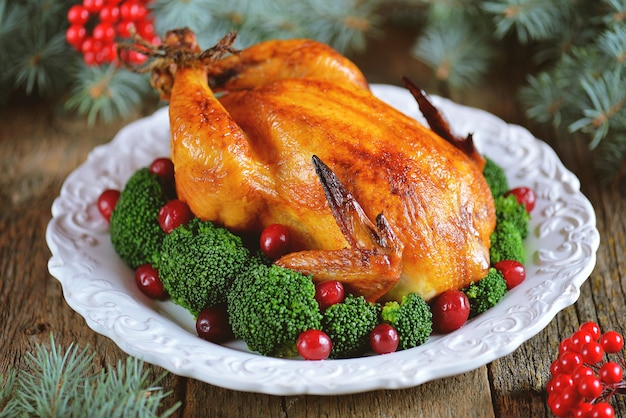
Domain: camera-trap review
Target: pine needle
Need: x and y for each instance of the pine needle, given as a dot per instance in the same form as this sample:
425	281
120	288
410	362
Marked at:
616	11
544	99
529	19
613	43
62	383
611	158
107	92
53	382
195	15
604	108
453	49
7	384
42	66
341	24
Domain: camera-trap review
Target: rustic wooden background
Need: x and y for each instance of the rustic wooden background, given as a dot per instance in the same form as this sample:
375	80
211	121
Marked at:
40	145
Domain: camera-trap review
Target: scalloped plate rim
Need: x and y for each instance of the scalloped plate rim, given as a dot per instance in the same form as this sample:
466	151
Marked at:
79	276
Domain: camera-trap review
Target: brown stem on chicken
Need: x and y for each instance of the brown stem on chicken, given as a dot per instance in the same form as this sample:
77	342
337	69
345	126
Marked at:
179	49
438	123
356	227
373	263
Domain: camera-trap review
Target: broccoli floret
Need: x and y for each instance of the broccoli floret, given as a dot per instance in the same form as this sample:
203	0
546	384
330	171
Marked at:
508	209
269	306
135	232
495	177
485	293
199	262
506	243
412	319
348	324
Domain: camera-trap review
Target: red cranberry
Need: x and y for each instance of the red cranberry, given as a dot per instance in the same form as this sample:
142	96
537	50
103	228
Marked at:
384	339
450	311
328	293
149	282
513	272
275	241
525	196
163	167
107	201
212	324
174	214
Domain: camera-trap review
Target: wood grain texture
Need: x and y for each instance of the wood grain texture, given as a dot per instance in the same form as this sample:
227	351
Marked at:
40	145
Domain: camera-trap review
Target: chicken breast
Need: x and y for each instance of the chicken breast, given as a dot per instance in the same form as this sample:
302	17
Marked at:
245	159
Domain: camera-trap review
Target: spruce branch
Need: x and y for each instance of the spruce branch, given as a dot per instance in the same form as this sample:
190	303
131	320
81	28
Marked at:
7	384
545	98
52	383
33	51
616	12
254	21
341	24
613	43
529	19
171	14
11	19
611	159
604	108
575	29
556	95
197	15
458	53
47	11
41	63
107	92
61	383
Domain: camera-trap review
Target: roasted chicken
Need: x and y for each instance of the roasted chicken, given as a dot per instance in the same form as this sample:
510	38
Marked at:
288	132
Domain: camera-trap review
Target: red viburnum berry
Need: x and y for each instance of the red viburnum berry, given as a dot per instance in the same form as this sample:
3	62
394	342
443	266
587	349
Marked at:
96	26
588	371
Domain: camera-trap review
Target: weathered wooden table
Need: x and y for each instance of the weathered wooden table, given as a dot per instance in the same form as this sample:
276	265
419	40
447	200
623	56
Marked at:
40	145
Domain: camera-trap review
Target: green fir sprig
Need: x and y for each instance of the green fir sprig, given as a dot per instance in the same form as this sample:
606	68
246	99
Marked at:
56	382
530	20
582	90
459	57
33	52
105	92
342	24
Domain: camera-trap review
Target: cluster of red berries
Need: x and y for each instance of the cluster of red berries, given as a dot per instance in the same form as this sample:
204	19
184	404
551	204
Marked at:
212	323
96	26
584	378
173	214
315	344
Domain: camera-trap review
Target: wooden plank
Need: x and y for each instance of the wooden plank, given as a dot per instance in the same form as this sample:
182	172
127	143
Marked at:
40	146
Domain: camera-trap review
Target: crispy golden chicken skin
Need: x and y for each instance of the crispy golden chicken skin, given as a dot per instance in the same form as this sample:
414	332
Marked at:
372	197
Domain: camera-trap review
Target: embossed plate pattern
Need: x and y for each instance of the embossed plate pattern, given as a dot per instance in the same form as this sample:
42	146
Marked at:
562	249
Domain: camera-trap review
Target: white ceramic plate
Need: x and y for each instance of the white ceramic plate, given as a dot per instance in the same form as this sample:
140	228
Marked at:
98	285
